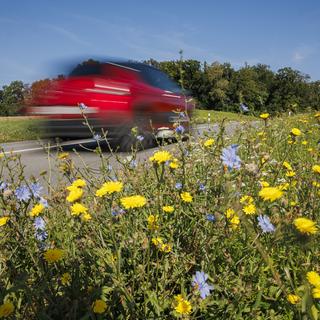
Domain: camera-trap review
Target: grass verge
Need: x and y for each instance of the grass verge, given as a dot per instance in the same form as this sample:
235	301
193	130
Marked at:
18	129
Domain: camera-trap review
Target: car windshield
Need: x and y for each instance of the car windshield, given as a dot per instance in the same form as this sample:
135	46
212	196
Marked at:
154	77
86	68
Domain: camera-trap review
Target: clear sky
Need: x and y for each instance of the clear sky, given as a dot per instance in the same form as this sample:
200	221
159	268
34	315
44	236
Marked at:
34	34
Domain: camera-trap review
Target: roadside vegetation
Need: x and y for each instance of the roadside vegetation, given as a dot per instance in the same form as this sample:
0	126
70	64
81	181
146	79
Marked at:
217	228
18	129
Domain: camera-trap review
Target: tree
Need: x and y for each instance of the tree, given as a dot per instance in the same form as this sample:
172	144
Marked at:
246	87
290	91
12	98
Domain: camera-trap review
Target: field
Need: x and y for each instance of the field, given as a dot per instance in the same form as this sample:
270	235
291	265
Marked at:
217	228
18	129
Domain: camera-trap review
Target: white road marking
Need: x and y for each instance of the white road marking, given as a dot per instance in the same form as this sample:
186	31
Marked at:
46	147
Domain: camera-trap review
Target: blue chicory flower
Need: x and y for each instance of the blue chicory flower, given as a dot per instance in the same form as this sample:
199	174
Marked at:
211	217
23	193
40	229
265	224
182	115
243	107
202	187
133	164
140	138
44	202
178	185
3	186
180	129
118	212
82	106
36	189
199	281
97	137
230	158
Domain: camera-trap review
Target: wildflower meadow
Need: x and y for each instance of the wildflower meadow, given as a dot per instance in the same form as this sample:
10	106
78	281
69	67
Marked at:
218	227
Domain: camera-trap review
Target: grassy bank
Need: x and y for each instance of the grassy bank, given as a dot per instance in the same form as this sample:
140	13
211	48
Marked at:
202	116
18	129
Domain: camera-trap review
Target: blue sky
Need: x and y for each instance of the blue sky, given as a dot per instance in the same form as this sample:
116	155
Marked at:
35	35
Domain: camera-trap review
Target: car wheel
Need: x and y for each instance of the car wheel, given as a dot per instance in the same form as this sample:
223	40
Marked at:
130	142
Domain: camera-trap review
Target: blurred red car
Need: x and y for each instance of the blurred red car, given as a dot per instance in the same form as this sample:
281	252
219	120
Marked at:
115	97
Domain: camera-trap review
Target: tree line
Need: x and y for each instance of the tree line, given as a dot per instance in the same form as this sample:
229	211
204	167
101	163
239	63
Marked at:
216	86
219	86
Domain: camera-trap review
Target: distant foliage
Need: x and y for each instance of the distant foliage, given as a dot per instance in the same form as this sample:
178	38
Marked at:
11	98
221	87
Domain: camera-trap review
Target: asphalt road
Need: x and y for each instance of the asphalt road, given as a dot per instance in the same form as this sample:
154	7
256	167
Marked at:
36	158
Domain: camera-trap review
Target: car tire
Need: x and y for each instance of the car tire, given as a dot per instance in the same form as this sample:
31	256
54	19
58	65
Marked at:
130	143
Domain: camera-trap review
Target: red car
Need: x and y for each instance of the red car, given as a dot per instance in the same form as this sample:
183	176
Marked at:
115	97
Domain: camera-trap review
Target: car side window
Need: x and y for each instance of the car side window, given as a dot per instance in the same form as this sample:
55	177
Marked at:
160	80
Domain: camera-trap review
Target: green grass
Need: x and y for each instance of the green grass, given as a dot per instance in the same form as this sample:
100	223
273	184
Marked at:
201	116
18	129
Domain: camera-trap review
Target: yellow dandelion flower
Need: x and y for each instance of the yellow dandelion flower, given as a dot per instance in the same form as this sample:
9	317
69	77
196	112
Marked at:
63	155
284	186
296	132
304	142
234	221
133	202
182	306
109	188
264	116
157	241
36	210
264	184
293	299
6	309
99	306
316	168
290	174
4	220
86	216
270	193
66	279
246	199
208	143
230	213
161	157
168	209
317	115
249	209
316	293
293	203
174	164
313	278
287	165
305	225
165	247
153	222
53	255
74	195
78	208
79	183
186	197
